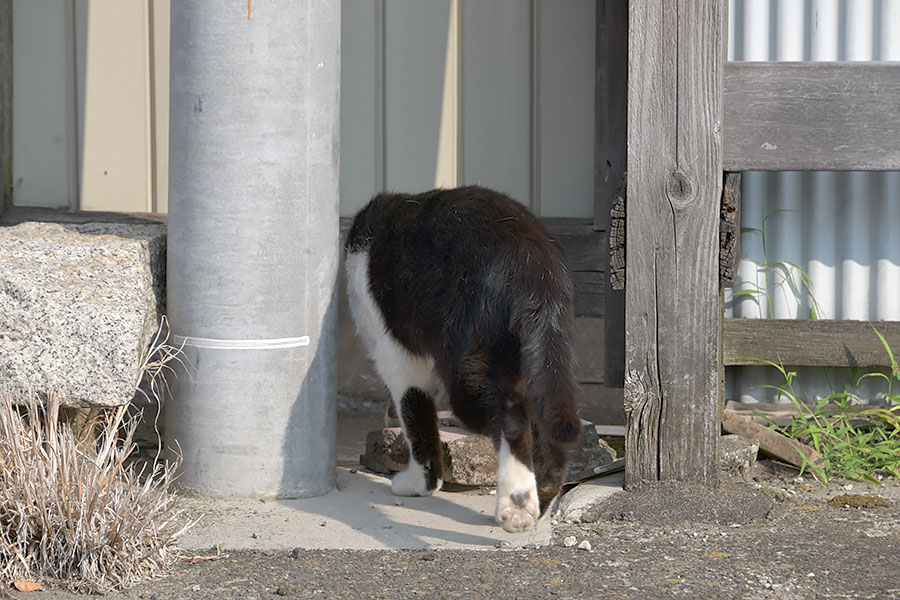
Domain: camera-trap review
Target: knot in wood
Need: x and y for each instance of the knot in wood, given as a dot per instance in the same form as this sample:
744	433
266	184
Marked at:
679	189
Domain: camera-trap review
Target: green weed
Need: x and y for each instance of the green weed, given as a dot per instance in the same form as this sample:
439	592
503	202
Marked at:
859	442
774	268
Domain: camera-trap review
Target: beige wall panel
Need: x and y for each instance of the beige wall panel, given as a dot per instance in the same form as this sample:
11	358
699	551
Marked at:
416	34
43	138
159	85
496	96
113	84
566	100
360	103
502	97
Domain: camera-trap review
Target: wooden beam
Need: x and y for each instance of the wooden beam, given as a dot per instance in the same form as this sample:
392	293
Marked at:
610	105
676	58
771	442
810	343
610	115
812	116
6	99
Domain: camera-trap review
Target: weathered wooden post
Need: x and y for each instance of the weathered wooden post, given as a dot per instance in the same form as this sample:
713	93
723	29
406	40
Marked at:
675	73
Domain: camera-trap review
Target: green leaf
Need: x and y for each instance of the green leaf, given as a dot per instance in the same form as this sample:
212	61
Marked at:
895	369
746	292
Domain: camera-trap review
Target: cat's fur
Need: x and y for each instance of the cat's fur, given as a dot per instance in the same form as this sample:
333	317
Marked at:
462	297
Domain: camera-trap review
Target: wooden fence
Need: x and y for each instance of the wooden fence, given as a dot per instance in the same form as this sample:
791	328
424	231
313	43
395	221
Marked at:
676	115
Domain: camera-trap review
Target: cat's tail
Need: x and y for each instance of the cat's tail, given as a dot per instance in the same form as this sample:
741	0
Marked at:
543	322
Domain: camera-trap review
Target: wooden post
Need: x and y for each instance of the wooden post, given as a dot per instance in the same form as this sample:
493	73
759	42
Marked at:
611	80
676	61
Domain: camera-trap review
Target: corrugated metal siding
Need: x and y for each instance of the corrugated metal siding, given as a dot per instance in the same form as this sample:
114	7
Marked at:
843	229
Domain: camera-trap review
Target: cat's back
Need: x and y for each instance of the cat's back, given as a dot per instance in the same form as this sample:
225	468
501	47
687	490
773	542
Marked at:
446	224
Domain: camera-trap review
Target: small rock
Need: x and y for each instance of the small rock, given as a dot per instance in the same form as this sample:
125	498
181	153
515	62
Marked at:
354	470
591	451
503	544
737	453
270	552
323	524
398	502
531	546
585	545
195	587
284	590
296	553
255	536
428	556
569	541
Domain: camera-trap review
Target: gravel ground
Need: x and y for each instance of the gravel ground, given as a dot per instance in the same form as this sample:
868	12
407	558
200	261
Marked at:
769	536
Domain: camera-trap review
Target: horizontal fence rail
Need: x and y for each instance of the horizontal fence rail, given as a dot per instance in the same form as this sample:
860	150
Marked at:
809	116
809	343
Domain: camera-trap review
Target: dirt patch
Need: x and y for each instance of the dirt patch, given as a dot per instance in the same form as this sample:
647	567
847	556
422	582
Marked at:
675	503
772	535
859	501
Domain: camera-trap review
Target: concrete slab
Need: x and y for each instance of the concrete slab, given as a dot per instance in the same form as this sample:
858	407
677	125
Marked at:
361	514
585	495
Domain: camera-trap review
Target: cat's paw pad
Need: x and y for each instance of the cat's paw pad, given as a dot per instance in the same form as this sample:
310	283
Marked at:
412	482
517	511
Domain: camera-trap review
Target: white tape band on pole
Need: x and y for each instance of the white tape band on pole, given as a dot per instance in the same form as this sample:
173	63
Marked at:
220	344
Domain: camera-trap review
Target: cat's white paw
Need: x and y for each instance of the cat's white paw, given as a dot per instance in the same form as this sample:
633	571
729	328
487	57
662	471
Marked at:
412	482
517	499
517	511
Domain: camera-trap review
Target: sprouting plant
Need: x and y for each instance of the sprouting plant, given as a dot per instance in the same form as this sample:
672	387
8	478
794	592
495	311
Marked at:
785	268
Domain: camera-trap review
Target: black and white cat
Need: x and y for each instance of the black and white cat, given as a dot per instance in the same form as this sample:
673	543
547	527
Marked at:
461	297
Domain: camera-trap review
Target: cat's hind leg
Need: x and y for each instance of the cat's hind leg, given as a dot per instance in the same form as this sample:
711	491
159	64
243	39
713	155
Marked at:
418	416
518	506
487	401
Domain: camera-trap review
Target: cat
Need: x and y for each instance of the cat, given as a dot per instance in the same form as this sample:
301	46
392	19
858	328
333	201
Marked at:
462	297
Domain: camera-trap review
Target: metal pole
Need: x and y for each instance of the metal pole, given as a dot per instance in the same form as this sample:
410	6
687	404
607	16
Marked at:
253	244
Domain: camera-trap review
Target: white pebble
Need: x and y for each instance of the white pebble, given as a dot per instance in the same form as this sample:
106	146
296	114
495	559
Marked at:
585	545
569	541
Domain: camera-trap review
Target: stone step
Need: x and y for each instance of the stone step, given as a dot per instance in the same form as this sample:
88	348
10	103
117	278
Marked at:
469	459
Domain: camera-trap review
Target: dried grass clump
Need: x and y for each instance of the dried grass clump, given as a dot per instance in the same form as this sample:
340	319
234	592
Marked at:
74	511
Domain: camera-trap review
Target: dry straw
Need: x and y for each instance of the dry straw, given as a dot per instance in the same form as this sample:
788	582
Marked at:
78	512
